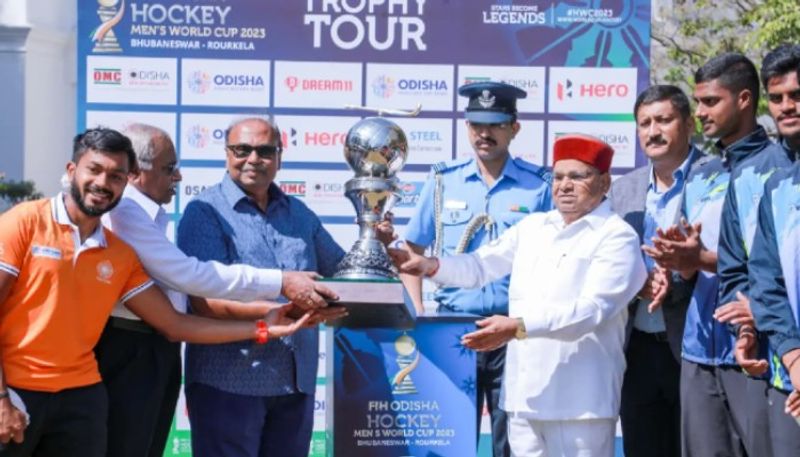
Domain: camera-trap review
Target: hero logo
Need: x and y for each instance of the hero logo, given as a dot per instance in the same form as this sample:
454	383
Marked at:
107	76
294	188
318	85
567	90
385	86
310	138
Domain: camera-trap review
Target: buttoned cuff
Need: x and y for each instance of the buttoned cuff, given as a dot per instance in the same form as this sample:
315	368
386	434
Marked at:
269	283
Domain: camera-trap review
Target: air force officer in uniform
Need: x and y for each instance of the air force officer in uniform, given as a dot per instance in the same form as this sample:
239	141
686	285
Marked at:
469	202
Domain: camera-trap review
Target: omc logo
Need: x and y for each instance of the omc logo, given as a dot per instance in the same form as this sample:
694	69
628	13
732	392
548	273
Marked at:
293	188
107	76
199	82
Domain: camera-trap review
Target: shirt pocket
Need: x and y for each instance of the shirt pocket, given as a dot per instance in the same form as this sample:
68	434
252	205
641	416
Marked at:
454	222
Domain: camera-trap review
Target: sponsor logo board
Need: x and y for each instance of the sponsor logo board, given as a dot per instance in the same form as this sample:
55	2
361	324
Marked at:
203	135
529	79
592	90
120	120
317	84
405	86
196	180
528	144
314	138
429	140
131	80
621	135
228	82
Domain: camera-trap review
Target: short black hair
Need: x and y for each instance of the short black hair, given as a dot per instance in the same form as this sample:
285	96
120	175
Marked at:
781	60
734	71
104	140
660	93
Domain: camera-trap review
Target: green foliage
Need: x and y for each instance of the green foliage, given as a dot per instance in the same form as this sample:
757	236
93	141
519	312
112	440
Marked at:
14	192
696	30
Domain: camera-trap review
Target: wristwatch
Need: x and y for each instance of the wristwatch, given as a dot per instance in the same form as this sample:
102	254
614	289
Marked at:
521	332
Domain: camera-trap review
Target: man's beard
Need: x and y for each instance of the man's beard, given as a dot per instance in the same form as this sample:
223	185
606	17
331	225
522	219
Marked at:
77	197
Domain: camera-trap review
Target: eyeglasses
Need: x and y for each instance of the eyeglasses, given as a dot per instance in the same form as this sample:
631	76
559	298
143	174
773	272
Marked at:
264	151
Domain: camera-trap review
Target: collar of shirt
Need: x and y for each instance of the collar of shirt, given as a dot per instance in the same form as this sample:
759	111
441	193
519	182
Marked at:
679	174
741	149
234	194
510	171
594	219
153	209
791	153
60	215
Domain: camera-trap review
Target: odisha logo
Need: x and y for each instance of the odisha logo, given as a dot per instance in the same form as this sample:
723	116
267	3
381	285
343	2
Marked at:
199	82
197	136
383	86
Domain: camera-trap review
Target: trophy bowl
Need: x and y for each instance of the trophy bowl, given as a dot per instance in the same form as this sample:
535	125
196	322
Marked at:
376	147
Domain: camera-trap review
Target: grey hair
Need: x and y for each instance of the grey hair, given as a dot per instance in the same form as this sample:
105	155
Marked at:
268	119
141	136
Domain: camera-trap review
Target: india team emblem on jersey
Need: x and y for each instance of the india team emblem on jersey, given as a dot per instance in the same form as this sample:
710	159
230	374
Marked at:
104	271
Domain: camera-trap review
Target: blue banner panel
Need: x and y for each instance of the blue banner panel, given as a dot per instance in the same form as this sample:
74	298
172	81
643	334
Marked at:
399	393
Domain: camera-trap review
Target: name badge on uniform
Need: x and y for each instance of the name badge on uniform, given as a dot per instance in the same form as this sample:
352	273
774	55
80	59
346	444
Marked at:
45	251
455	204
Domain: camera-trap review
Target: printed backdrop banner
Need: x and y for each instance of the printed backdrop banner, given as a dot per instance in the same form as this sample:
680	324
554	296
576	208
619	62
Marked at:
193	66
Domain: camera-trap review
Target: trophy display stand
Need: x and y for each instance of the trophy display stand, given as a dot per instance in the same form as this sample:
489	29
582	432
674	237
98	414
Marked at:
372	303
402	392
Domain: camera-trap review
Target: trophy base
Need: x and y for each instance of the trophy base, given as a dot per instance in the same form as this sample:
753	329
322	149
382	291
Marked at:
366	260
372	303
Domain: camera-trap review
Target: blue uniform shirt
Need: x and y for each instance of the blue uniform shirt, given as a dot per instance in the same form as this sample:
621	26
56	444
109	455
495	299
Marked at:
222	223
774	269
522	188
705	340
660	211
740	213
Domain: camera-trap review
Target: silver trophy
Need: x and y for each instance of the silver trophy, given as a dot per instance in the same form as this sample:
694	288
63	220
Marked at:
376	149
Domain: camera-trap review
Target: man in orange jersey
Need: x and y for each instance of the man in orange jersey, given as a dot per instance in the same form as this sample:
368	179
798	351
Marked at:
61	273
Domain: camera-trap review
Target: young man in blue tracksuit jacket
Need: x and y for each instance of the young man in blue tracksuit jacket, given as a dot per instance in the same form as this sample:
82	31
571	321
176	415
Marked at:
726	93
770	266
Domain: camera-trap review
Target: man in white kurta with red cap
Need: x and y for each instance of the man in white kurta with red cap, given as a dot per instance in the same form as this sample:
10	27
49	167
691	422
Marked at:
573	272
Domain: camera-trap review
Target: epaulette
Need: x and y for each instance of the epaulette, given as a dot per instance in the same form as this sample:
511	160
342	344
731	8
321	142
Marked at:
441	167
541	172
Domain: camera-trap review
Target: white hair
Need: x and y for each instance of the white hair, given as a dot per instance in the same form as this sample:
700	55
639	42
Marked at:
142	136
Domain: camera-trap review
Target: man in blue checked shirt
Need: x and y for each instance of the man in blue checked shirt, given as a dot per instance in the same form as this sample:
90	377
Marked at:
246	400
467	203
712	423
773	302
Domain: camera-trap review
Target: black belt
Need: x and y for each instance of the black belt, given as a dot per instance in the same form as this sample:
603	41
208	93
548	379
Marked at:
133	325
659	337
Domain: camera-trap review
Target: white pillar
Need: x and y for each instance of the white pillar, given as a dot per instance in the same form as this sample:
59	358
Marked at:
13	35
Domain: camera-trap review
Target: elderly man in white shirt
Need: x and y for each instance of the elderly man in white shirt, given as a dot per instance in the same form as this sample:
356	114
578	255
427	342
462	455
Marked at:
140	368
573	272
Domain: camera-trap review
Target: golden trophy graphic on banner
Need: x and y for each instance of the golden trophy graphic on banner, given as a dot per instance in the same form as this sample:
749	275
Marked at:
103	36
407	359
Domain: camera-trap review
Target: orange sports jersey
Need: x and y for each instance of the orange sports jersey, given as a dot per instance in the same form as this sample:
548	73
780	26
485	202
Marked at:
62	297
